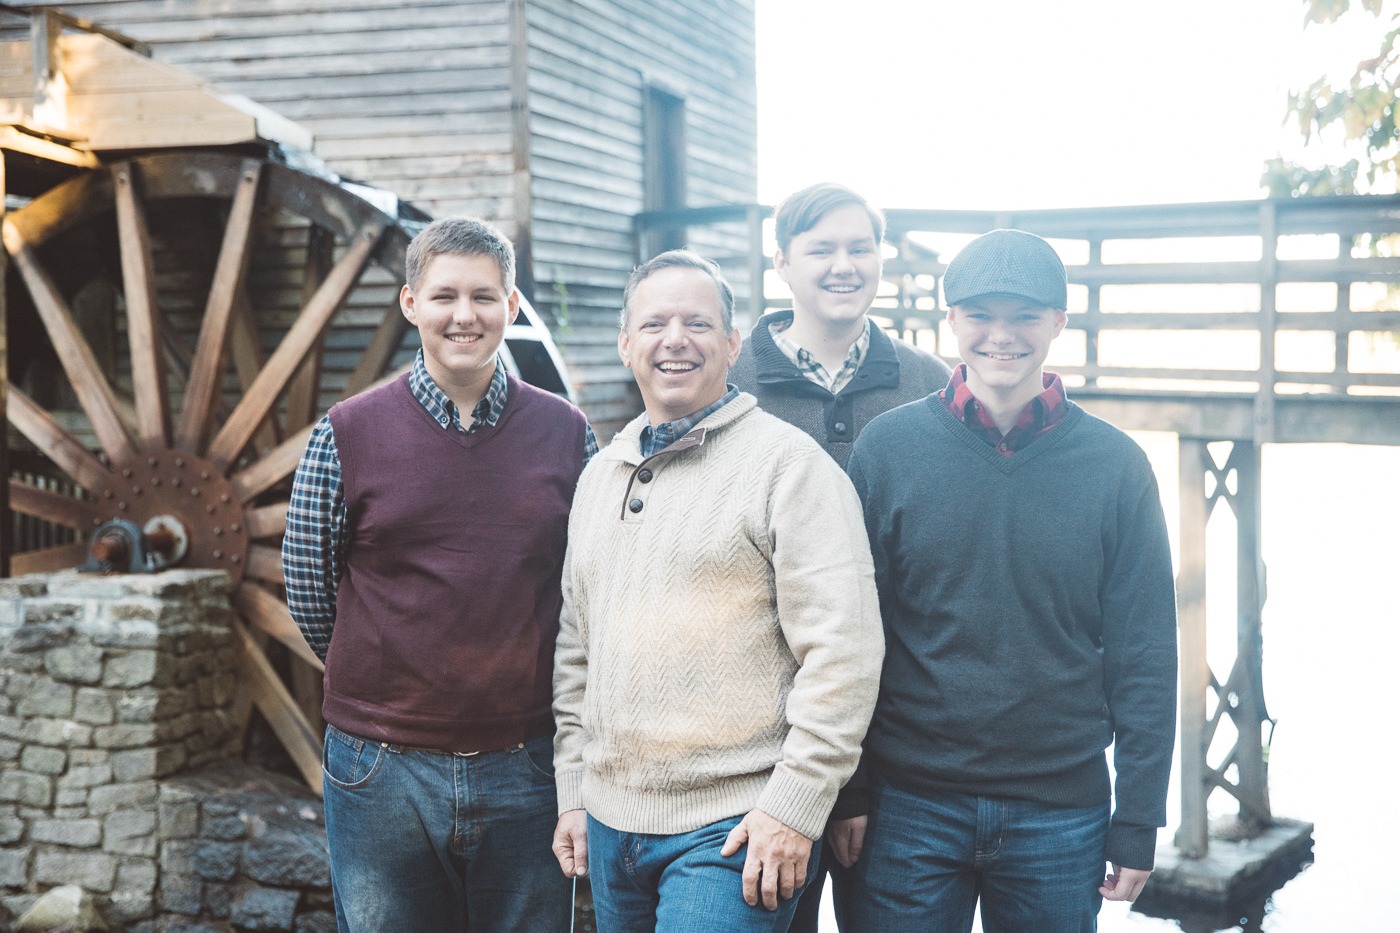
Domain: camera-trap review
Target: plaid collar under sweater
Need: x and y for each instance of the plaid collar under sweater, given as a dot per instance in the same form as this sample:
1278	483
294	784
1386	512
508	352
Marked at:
658	438
807	364
1040	414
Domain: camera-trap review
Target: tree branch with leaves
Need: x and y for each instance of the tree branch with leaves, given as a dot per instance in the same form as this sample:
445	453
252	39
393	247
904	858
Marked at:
1361	111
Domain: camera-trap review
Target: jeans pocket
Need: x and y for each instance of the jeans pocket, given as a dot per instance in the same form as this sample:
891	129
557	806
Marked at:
540	754
349	761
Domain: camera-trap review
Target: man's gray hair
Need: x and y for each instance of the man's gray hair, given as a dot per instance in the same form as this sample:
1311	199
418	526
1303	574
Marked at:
459	236
680	259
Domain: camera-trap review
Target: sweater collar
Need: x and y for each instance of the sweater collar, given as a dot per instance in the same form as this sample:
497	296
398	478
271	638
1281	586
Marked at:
626	445
879	370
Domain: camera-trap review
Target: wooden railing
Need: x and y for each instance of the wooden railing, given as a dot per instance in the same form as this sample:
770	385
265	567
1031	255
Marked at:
1277	301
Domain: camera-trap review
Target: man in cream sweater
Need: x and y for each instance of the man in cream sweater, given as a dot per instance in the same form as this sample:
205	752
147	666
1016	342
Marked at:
720	646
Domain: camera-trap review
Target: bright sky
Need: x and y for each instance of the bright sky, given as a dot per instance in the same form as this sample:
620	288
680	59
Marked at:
1005	104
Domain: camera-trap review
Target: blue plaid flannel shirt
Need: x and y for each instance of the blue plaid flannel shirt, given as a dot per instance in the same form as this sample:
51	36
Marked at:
656	439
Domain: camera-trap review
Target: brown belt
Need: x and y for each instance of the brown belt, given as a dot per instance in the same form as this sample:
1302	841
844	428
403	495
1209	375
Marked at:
442	751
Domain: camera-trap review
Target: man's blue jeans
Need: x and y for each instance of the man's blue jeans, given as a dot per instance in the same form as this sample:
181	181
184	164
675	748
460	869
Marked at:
929	859
425	840
676	884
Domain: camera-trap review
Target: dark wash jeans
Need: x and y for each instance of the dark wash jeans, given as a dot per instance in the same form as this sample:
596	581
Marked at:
430	841
928	860
644	883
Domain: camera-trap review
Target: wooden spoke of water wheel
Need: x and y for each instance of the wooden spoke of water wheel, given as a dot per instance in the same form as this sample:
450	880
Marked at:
196	425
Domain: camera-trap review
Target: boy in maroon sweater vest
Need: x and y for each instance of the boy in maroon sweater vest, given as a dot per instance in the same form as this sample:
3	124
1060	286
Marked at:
425	539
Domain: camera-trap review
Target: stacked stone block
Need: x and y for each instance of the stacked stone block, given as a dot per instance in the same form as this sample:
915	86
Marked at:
246	849
110	688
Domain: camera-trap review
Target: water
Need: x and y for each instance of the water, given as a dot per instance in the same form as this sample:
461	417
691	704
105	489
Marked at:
1331	679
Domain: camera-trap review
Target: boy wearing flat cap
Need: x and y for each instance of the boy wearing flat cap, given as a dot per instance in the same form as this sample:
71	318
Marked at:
1026	588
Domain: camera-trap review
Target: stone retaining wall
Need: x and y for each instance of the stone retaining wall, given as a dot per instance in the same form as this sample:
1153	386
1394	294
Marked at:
118	761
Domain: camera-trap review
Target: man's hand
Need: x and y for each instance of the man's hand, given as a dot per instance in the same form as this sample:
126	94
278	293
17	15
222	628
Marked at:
776	863
1125	884
847	839
571	842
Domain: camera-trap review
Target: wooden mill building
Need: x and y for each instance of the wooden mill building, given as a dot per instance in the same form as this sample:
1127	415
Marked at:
207	204
559	120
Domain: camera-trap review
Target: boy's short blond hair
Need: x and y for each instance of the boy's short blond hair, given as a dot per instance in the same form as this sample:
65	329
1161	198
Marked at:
459	236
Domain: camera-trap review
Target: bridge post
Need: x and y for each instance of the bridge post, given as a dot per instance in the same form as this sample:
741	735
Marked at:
1192	838
1246	699
1243	770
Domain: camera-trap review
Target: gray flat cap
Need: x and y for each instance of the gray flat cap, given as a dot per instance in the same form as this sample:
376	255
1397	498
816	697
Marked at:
1007	262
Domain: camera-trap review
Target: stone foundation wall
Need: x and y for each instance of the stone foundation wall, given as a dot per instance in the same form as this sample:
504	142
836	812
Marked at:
118	761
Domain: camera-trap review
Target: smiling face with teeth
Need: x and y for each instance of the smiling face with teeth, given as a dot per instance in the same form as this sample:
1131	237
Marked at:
676	344
461	308
833	269
1004	341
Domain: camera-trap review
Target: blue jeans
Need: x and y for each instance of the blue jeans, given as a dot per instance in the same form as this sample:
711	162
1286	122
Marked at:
929	859
807	917
425	840
676	884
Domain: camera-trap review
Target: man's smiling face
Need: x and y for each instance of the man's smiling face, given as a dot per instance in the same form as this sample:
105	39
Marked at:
675	343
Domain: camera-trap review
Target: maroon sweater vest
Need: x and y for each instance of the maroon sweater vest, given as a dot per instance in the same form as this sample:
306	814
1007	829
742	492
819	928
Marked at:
448	608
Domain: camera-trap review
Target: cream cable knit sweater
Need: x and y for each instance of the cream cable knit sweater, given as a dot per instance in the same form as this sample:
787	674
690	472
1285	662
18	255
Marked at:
720	646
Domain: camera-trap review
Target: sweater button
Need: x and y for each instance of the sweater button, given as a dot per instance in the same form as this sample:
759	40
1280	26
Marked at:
644	475
634	506
840	427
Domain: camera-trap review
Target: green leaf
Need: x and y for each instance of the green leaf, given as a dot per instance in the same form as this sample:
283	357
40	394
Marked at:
1363	109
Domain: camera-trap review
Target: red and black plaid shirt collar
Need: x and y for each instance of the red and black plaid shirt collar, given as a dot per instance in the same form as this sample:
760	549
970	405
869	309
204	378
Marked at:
1040	414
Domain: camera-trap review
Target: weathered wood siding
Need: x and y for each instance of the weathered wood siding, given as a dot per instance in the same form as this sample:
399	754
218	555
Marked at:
413	97
525	112
590	62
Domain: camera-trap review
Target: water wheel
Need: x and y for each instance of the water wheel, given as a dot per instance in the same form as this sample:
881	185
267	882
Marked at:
177	322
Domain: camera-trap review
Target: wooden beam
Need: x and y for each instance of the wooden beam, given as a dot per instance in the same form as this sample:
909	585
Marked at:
264	563
94	394
16	139
270	615
143	325
271	468
202	388
379	351
303	400
267	521
277	705
281	462
51	506
57	444
262	395
1313	418
49	560
245	347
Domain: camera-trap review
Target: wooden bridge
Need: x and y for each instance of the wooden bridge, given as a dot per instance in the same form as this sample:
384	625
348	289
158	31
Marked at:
1232	325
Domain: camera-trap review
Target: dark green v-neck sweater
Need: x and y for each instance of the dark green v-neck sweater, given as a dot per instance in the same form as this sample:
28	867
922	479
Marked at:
1030	616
